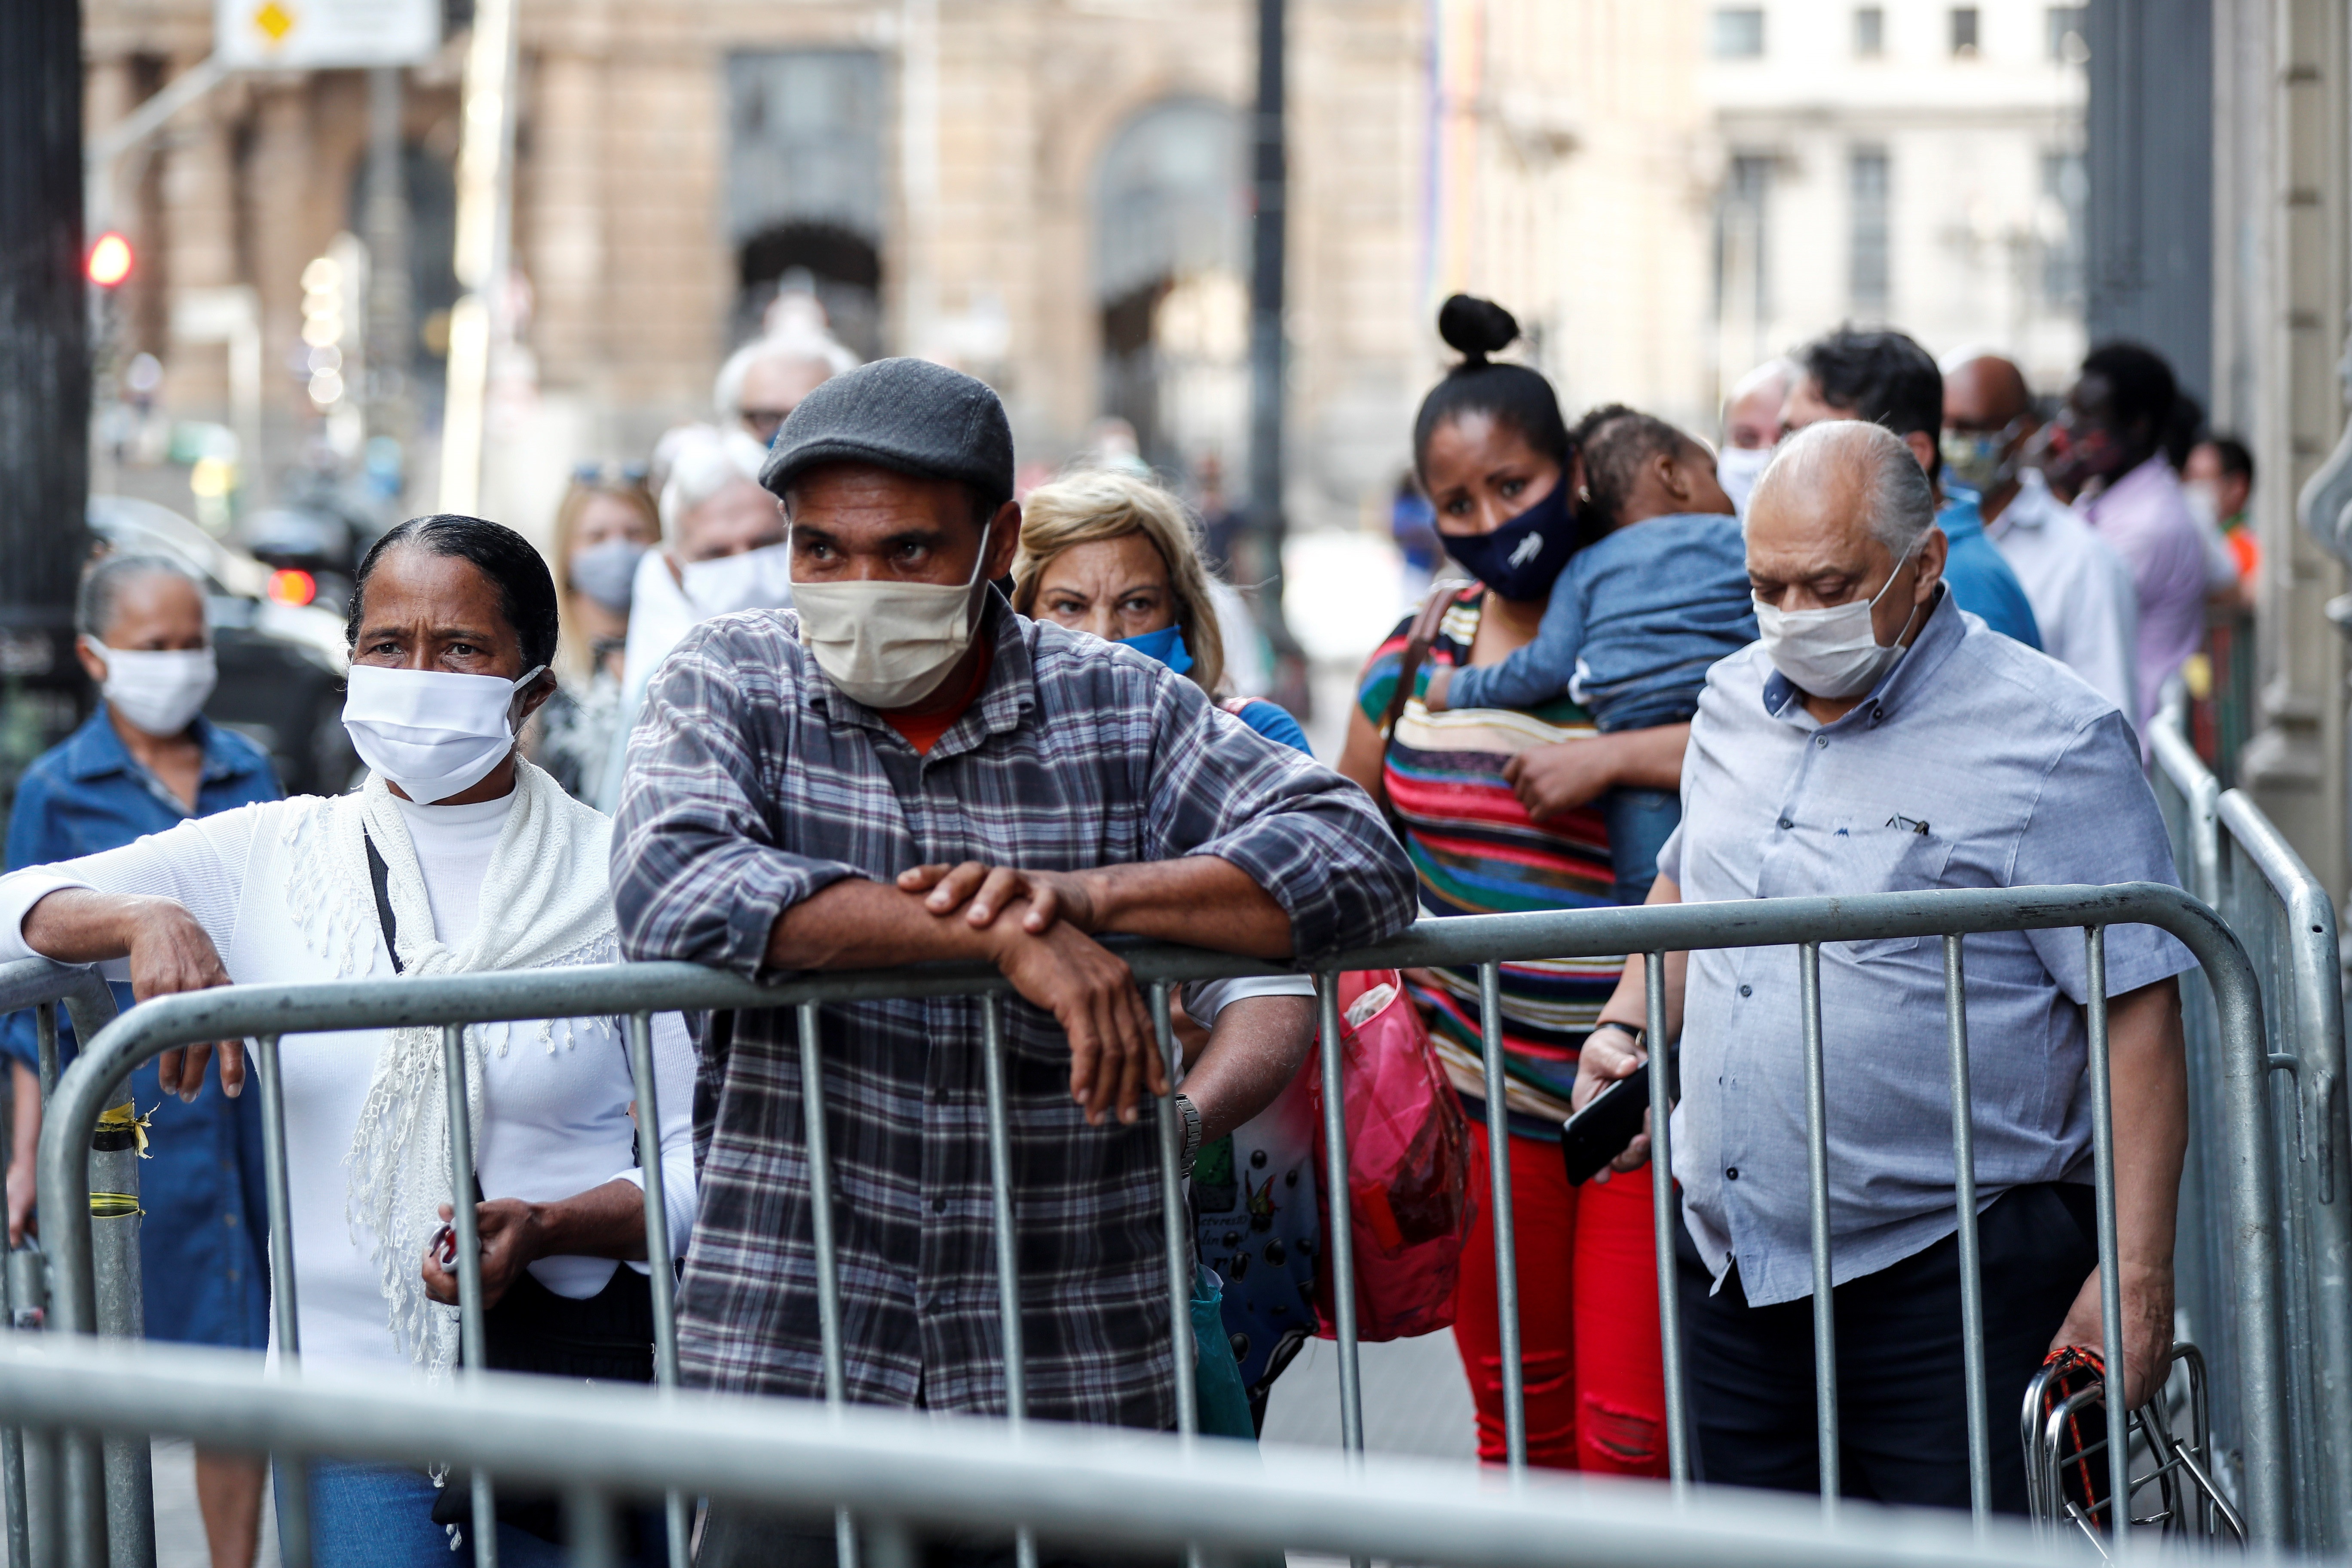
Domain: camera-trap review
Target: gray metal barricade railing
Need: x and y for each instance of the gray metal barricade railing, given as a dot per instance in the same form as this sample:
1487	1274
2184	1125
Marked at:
635	991
32	1489
2236	860
906	1475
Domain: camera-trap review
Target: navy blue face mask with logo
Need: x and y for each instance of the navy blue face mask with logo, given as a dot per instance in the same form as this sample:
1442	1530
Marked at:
1523	558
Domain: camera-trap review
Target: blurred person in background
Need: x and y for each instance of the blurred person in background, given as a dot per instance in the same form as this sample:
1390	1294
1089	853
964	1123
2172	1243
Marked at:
723	549
146	761
1751	427
764	381
1494	458
2080	589
2219	478
2107	445
605	525
2182	432
456	856
1412	524
1112	553
1888	379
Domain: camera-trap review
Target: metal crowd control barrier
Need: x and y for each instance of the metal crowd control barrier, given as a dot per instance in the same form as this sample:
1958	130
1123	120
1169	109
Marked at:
29	1473
2239	1152
2232	858
907	1476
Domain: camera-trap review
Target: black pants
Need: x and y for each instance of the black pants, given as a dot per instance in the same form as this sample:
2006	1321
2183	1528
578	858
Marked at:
1903	1424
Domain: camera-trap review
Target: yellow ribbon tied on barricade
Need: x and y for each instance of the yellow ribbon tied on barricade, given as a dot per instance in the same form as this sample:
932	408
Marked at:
122	1205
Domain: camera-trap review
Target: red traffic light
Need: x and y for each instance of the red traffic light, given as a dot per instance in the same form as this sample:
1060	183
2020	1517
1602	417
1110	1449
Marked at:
290	585
109	259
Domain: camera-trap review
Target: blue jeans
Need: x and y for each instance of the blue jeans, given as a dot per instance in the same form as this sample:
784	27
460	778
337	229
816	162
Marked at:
1640	823
381	1516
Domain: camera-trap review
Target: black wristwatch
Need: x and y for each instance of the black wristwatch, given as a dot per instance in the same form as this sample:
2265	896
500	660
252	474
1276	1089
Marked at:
1192	1149
1641	1037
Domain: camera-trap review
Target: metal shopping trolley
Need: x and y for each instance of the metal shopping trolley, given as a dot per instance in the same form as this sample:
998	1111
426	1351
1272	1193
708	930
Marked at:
2065	1434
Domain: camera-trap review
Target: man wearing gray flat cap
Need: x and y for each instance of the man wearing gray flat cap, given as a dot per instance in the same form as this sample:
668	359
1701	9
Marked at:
902	769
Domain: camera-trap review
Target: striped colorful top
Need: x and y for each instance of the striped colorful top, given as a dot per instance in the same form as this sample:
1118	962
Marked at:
1477	852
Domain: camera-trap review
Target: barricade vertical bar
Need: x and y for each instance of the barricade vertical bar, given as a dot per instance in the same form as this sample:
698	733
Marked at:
588	1529
45	1035
663	1276
1817	1173
12	1459
294	1512
470	1338
1171	1211
1008	1243
44	1503
1662	1211
2110	1288
1343	1236
1964	1187
1507	1250
817	1139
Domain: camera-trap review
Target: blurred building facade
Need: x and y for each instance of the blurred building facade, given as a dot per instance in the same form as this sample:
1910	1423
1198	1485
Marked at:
1906	164
1051	193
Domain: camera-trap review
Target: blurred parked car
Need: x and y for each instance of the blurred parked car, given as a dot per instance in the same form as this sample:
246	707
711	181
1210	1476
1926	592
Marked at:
281	655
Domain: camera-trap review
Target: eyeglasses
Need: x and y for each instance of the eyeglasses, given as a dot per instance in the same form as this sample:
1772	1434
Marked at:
610	475
763	422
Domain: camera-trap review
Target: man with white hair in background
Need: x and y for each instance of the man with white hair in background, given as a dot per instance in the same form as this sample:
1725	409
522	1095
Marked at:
2081	591
1751	428
1878	739
765	379
722	550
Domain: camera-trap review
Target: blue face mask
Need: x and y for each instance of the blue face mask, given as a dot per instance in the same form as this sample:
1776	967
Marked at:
1166	645
1523	558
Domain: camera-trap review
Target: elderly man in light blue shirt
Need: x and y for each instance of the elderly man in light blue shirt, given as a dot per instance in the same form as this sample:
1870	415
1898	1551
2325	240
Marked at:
1878	738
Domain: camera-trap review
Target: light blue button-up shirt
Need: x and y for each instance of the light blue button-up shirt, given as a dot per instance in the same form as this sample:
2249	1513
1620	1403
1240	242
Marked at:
1975	762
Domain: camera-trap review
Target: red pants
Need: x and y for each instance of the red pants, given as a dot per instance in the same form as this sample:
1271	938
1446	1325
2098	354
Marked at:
1588	1318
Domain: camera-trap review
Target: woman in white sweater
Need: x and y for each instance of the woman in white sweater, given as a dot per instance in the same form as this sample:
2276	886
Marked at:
456	856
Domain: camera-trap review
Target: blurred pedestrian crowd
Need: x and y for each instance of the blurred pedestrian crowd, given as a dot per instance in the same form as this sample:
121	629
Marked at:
818	685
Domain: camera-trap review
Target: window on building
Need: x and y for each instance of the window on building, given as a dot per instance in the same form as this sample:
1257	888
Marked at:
1740	277
1867	269
1869	32
1964	31
1739	33
2068	27
2065	189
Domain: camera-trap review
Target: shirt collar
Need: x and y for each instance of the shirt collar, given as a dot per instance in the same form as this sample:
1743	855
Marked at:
95	750
1919	665
2150	475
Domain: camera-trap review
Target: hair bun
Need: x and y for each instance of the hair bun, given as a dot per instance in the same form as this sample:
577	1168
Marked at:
1475	327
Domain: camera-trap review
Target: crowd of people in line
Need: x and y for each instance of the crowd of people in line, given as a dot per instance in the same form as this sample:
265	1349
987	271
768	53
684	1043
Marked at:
816	691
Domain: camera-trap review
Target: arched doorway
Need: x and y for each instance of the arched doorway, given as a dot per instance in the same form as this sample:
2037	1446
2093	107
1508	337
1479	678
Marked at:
842	268
1170	246
804	184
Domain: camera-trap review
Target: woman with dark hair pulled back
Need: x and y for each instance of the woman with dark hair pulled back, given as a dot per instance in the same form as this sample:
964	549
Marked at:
1497	807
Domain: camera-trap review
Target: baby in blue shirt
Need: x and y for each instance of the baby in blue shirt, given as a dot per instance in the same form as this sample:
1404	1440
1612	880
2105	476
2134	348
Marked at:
1635	617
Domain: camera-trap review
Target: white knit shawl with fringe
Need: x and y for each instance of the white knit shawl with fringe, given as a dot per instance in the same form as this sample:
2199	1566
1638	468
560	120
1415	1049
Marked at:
546	901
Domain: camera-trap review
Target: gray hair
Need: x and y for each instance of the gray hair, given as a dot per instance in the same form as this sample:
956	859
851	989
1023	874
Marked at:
1895	495
801	347
702	468
102	587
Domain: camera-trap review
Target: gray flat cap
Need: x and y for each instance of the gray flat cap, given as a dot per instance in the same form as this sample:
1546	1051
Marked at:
908	415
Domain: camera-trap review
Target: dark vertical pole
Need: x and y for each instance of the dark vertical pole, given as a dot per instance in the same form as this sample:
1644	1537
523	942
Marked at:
1269	187
44	376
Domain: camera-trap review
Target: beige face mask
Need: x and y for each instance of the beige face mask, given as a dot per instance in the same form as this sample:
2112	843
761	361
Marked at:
889	645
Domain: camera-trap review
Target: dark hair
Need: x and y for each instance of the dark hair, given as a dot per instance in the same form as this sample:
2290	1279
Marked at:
1617	443
102	585
526	589
2140	386
1510	394
2236	460
1881	376
2182	429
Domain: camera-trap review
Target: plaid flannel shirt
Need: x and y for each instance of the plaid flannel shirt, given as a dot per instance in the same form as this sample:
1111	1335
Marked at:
752	785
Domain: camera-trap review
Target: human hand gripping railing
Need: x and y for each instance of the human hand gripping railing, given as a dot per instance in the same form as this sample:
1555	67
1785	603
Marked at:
1468	941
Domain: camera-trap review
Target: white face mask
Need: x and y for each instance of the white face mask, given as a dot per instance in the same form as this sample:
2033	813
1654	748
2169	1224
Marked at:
1737	469
758	579
1834	652
433	732
158	693
889	645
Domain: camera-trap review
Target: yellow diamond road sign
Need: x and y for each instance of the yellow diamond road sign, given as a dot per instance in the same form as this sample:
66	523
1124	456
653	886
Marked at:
293	34
274	21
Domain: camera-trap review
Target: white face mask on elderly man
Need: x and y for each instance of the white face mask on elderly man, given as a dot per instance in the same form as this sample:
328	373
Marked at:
433	732
885	644
758	579
1834	652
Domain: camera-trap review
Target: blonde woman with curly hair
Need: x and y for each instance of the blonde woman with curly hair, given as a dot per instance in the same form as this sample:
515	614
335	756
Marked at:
1114	553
